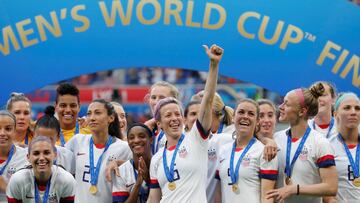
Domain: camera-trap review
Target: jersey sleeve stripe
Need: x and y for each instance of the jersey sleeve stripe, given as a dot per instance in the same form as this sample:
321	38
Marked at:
69	199
120	196
326	161
269	174
154	183
13	200
204	135
217	175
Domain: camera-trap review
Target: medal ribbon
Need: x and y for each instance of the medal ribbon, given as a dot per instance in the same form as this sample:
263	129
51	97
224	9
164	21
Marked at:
170	172
46	194
288	167
155	147
330	127
94	172
235	173
62	138
354	164
11	153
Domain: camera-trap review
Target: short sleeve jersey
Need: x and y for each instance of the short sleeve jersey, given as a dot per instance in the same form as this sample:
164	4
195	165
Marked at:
215	142
79	145
123	185
252	169
324	132
189	170
21	187
316	153
18	161
66	159
347	192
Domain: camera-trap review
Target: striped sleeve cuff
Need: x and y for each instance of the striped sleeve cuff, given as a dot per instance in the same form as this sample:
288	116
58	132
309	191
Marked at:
154	183
217	175
204	135
69	199
269	174
13	200
120	196
326	161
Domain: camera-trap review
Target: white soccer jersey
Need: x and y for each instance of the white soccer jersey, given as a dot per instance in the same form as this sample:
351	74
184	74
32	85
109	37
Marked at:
66	159
316	153
158	141
324	132
227	129
347	192
21	187
253	167
215	142
189	171
79	145
18	161
123	185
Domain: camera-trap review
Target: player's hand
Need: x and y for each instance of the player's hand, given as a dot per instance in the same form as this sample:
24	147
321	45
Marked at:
215	52
270	150
112	167
144	169
281	194
3	185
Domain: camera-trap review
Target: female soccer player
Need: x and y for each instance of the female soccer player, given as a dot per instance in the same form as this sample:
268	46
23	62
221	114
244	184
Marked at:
347	147
159	90
20	106
267	119
92	153
243	172
67	106
119	109
131	185
12	158
43	181
306	160
191	114
49	126
324	122
178	171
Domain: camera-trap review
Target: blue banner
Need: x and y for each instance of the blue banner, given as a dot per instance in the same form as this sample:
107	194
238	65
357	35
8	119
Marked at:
277	44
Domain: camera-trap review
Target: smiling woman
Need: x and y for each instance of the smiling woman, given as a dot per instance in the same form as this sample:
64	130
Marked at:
93	151
12	157
178	171
42	182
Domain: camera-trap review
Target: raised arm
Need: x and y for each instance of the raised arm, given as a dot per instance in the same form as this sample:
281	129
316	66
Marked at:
205	116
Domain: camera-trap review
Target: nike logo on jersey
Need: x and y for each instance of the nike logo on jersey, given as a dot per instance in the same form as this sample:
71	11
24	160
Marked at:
222	160
79	154
129	185
29	197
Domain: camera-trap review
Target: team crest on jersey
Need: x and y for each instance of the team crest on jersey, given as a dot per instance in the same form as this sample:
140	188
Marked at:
11	170
212	154
182	152
111	158
246	161
304	154
52	198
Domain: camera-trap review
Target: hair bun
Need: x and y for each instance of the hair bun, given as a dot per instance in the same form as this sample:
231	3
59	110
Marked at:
50	111
16	94
317	90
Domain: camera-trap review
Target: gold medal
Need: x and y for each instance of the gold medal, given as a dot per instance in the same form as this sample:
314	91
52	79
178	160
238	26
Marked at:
356	182
288	181
172	186
235	188
93	189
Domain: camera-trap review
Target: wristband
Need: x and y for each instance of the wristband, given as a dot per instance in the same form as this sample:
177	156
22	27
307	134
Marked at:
298	189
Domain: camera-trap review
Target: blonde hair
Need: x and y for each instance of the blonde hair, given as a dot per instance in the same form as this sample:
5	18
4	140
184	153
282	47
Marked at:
221	110
173	90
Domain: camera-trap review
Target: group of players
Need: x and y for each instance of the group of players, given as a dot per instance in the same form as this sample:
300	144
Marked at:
207	153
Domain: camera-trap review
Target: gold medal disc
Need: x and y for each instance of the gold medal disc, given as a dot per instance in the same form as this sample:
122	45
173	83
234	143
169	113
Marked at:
93	189
235	188
356	182
172	186
288	181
